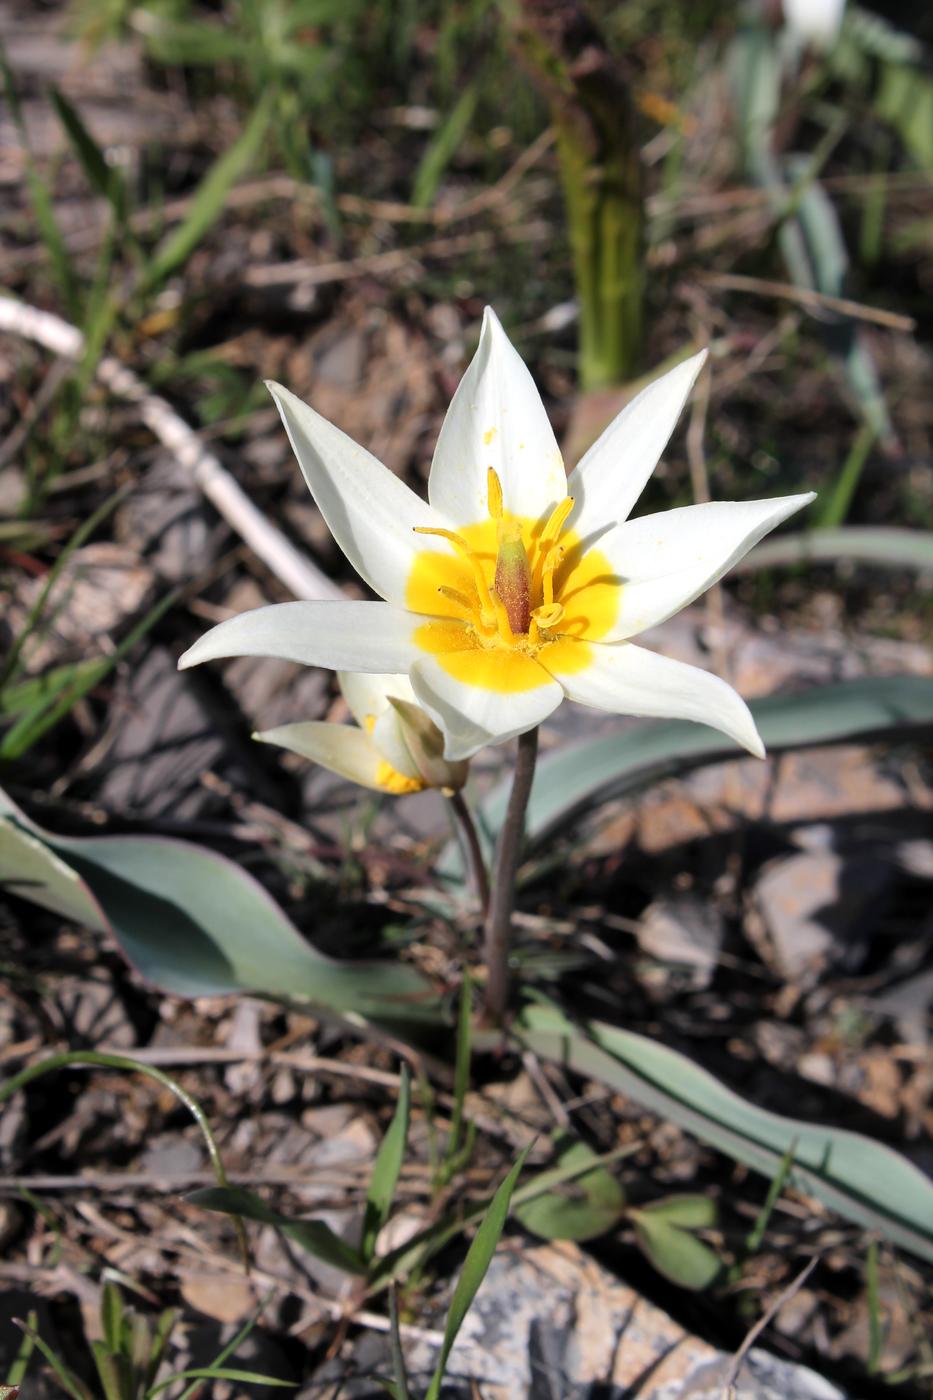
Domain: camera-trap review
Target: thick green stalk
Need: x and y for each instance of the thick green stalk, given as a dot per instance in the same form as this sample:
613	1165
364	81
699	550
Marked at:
601	176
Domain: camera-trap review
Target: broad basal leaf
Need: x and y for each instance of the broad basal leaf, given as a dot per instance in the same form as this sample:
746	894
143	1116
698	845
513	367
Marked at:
192	922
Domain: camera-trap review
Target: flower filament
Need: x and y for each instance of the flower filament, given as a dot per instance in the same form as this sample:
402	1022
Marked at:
515	608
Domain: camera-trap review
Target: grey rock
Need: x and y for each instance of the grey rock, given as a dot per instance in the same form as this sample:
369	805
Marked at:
549	1322
684	931
819	907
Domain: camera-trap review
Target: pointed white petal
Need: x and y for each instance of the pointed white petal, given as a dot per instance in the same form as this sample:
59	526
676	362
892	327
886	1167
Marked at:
667	560
369	694
629	680
370	513
610	477
496	419
368	699
342	748
472	717
362	636
388	734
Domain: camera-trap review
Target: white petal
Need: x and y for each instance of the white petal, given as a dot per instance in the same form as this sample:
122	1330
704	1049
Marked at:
357	636
610	477
496	419
629	680
471	717
370	513
667	560
342	748
369	694
388	735
368	699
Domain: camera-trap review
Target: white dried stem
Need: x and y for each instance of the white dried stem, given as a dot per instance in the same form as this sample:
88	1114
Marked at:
298	574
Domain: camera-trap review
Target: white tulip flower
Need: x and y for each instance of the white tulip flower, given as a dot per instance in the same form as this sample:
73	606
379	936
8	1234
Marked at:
817	22
513	586
393	746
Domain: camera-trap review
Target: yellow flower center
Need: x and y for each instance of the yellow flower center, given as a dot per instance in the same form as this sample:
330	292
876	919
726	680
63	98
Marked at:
389	778
513	592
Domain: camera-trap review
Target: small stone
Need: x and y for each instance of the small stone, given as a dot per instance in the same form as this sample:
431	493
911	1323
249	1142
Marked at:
819	909
220	1296
686	932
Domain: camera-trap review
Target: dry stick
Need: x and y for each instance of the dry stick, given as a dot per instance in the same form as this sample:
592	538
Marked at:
728	1388
467	827
508	850
315	274
299	575
807	296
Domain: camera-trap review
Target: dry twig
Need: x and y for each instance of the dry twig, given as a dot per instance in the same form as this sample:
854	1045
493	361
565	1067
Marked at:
299	575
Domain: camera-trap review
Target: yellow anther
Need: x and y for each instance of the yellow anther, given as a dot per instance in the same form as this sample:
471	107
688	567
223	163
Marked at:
556	520
469	556
503	624
494	494
391	780
456	540
453	595
548	615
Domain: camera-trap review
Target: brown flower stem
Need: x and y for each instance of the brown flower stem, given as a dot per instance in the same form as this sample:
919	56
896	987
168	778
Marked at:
508	851
474	851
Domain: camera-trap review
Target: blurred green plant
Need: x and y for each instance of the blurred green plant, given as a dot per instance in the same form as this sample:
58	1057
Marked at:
31	705
130	1354
763	71
600	169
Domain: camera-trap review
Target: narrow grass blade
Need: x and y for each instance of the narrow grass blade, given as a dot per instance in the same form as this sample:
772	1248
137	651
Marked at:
313	1235
757	1233
442	148
207	204
111	1317
218	1373
399	1389
71	1383
386	1169
103	178
80	536
40	197
475	1266
22	1358
461	1066
834	510
30	727
88	1058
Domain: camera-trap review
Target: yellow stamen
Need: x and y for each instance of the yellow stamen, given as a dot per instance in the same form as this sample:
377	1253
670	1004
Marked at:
453	595
548	615
556	520
549	535
494	494
470	557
